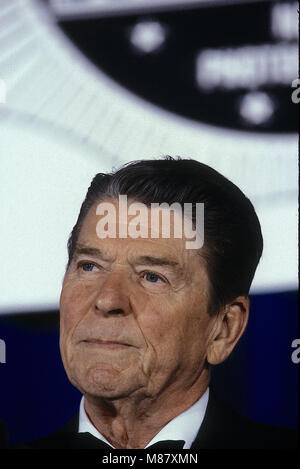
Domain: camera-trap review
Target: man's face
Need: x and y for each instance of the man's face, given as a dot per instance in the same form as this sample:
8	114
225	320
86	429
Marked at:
134	318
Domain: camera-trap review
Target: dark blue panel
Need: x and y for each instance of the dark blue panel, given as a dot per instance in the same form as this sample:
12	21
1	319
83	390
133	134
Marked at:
273	377
259	379
36	396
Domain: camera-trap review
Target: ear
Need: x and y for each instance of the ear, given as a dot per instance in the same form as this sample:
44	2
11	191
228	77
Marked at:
229	326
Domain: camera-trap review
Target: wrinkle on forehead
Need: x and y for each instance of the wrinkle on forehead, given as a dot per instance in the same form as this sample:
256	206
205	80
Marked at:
124	251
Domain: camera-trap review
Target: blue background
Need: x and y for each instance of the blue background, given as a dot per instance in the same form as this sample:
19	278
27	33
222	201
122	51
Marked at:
259	379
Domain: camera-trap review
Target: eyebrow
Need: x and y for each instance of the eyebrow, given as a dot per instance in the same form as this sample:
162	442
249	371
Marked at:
150	260
81	249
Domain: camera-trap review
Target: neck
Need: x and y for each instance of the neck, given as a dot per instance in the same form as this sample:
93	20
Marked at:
132	422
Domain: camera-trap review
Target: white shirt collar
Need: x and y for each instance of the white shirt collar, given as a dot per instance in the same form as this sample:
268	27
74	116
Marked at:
184	426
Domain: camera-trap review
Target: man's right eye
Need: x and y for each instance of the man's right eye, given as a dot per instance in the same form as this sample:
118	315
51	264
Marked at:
87	266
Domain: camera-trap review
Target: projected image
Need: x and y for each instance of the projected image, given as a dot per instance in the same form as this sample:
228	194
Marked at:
228	63
87	86
102	83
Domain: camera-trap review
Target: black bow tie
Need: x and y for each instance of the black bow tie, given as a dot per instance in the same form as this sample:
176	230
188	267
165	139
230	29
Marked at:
167	444
86	440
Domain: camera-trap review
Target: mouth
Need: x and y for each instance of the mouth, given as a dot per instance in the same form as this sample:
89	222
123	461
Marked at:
106	344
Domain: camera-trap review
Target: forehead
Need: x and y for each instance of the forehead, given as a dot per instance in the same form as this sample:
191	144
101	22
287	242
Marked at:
172	248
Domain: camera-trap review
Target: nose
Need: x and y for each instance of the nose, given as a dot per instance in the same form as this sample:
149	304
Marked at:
113	296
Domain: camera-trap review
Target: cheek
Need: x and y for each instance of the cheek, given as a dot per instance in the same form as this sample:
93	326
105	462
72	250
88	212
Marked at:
75	301
176	328
160	324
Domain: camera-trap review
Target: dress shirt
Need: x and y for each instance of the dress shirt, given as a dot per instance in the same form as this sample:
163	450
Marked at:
184	426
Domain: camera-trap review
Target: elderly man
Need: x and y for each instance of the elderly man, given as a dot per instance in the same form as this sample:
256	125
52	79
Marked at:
144	314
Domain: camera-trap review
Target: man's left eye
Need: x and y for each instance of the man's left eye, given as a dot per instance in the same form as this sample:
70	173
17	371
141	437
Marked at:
151	277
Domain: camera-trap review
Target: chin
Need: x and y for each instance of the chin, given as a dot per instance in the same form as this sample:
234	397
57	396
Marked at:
106	383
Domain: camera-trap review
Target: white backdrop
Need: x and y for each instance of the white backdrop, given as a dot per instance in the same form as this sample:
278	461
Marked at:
62	121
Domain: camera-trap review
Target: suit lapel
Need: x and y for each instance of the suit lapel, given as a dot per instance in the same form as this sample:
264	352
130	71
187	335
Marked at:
71	426
220	427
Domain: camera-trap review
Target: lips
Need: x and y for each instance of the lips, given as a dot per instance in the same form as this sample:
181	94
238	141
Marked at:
105	343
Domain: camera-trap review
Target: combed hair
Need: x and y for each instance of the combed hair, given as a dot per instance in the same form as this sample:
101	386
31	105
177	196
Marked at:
233	240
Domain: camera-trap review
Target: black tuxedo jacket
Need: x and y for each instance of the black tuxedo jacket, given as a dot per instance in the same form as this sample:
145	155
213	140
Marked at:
222	428
3	435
